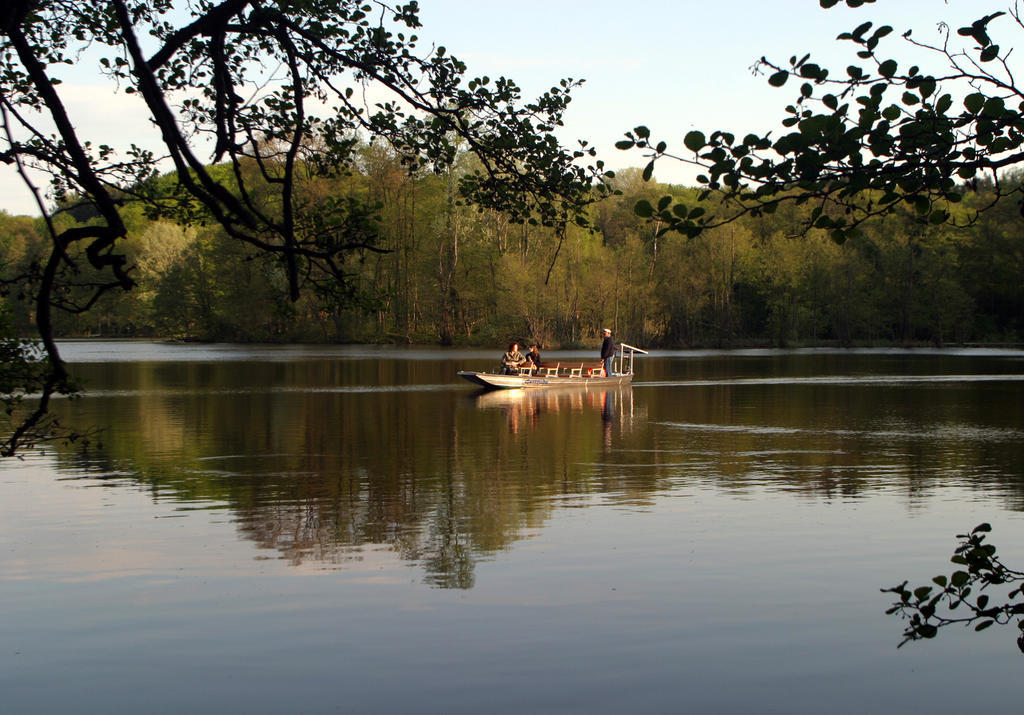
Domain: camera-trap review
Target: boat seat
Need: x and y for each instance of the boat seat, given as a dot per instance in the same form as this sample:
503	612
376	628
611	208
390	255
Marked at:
526	371
596	372
551	371
576	371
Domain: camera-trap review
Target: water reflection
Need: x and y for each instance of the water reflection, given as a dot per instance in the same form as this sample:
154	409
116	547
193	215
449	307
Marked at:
315	471
320	461
710	541
525	409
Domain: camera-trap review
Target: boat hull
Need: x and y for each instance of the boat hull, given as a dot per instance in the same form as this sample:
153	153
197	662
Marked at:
494	381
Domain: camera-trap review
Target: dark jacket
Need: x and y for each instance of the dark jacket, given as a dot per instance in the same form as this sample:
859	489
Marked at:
607	347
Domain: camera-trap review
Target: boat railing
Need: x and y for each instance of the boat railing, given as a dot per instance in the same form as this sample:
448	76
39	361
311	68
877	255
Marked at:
626	353
622	365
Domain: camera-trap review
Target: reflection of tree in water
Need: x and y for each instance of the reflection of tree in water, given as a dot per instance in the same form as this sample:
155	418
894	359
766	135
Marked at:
448	562
334	534
442	478
325	478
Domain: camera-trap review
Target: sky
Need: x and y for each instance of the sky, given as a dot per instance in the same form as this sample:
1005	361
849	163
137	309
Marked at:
671	65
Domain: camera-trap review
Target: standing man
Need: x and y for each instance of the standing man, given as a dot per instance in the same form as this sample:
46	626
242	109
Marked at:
607	351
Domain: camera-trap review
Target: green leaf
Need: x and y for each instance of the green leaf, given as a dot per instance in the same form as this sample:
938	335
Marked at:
625	144
779	78
990	53
940	580
642	132
861	29
959	578
974	102
663	203
994	106
888	68
695	141
1000	145
810	70
648	171
643	209
983	625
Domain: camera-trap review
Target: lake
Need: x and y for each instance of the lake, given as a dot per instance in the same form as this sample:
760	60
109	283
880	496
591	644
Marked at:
309	529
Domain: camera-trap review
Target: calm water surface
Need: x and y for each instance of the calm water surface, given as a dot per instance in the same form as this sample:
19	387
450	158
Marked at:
353	529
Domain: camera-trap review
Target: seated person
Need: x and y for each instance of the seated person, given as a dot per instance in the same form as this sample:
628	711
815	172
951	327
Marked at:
533	357
511	361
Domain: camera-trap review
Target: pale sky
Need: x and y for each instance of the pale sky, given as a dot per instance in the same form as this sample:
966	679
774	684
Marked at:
673	65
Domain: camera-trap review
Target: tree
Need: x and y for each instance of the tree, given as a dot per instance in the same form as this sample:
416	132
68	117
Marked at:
860	143
253	100
931	607
24	370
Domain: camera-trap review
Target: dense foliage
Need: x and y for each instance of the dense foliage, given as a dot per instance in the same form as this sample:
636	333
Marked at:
886	134
452	274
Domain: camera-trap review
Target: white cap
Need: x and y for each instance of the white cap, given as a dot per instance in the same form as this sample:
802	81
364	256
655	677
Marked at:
608	330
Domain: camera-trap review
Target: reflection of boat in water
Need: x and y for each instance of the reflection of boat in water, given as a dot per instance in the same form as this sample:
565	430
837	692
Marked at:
553	400
529	409
557	377
492	380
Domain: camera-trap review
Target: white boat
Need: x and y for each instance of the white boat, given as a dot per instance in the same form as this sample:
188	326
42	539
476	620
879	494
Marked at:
562	375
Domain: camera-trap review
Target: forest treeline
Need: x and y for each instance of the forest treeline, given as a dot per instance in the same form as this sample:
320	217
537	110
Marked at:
449	273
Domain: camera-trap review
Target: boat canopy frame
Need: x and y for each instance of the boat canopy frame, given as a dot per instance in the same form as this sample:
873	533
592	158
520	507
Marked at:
625	359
